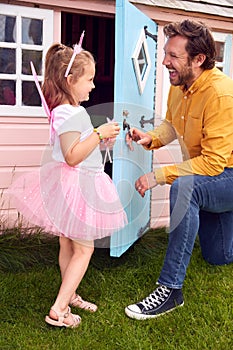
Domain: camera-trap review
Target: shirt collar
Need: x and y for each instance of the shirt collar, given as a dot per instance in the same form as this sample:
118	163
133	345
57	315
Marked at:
198	83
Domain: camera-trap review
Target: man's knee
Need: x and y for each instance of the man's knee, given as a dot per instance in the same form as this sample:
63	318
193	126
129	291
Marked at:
217	259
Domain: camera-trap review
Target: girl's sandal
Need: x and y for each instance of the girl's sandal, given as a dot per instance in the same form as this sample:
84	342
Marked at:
82	304
61	317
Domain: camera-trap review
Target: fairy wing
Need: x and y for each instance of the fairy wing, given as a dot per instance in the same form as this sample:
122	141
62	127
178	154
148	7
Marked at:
44	103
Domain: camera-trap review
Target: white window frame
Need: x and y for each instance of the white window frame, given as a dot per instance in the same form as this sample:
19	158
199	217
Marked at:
141	78
21	12
224	37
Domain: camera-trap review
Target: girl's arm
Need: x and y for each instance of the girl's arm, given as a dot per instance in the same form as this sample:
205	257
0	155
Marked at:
75	151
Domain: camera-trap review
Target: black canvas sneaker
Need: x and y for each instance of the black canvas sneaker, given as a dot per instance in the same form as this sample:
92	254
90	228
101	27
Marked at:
161	301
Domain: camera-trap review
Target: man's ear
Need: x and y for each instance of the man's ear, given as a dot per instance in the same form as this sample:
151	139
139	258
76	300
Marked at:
199	59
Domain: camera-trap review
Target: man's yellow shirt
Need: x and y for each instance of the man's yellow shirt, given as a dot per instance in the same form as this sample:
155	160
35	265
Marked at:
201	118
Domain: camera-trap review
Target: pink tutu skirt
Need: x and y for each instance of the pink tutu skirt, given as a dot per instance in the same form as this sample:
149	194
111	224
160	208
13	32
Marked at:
72	202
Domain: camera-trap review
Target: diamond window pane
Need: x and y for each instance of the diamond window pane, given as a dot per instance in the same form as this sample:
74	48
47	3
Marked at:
141	61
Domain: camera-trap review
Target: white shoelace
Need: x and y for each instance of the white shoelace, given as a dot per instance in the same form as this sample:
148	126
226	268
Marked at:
156	297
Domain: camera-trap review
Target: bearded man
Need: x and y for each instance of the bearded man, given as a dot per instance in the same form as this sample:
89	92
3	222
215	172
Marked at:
200	115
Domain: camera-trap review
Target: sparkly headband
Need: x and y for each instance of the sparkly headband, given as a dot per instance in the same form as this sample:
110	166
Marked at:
77	50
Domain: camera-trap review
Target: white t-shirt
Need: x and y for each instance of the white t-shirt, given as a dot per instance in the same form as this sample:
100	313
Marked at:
69	118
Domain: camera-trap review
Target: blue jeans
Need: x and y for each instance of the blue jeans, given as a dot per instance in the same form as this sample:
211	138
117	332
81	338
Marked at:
200	205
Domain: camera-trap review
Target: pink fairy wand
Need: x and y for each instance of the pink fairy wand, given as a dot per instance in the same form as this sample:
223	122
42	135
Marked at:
77	50
44	103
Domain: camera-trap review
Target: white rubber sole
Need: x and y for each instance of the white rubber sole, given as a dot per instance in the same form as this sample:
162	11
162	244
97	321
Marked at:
139	316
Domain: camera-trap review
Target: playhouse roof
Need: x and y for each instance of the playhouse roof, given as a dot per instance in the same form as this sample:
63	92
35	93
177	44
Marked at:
222	8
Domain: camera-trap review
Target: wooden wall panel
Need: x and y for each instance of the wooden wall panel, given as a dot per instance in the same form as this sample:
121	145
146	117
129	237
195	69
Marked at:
24	134
160	194
8	174
21	156
23	148
160	213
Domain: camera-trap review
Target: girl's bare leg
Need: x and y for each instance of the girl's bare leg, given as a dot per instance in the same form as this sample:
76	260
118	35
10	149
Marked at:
74	259
65	255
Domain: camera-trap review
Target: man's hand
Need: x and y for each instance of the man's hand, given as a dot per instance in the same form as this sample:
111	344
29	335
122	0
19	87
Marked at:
140	137
145	182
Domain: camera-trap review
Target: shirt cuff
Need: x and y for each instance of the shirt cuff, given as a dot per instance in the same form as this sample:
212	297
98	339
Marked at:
160	176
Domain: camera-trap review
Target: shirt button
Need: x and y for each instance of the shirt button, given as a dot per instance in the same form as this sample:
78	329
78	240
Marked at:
181	136
182	117
185	97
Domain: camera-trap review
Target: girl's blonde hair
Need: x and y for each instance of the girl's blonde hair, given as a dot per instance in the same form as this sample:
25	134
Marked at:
55	87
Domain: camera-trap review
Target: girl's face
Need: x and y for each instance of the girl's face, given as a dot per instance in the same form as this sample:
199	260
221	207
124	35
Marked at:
85	84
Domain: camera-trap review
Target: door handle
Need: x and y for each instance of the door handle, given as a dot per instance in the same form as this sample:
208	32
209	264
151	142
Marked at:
126	125
128	136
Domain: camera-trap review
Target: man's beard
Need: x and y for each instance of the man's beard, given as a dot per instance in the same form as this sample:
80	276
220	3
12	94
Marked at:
186	76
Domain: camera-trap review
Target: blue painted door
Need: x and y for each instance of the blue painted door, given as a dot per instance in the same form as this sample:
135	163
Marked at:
134	93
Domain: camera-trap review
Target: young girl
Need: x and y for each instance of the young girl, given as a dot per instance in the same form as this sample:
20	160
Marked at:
72	196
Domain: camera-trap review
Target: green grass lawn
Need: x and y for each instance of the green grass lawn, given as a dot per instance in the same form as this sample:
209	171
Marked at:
29	281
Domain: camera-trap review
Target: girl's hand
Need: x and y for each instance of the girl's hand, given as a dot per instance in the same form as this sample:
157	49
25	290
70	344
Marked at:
140	137
145	182
109	130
